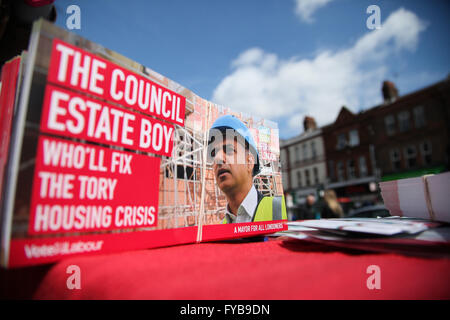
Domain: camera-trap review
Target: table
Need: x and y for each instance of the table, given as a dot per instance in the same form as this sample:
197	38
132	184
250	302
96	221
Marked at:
274	269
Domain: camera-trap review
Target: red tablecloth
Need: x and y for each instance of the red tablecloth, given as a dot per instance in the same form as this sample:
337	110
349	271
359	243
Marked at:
273	269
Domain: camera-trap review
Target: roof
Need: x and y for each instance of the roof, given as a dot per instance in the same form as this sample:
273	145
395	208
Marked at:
304	136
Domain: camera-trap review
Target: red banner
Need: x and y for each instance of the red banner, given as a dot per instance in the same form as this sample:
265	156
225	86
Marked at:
80	187
69	114
9	75
25	252
75	68
240	230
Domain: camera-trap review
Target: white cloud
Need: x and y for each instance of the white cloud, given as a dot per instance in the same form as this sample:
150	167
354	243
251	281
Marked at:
306	8
286	90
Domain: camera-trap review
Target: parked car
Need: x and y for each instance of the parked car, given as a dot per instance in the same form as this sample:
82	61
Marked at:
370	212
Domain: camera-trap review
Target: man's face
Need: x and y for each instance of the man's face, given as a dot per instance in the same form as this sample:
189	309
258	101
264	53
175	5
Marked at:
310	200
232	165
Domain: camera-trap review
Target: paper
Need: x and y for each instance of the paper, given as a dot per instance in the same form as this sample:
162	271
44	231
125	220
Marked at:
423	197
393	235
369	226
439	189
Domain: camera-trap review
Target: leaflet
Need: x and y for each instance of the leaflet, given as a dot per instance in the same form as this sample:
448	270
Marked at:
103	154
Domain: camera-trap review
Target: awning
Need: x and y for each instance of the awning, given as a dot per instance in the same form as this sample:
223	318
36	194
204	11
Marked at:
352	182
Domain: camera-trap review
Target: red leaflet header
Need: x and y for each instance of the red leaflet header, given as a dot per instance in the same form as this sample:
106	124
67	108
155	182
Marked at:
79	187
73	115
75	68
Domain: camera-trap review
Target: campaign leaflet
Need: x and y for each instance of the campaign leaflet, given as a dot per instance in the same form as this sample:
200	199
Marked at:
107	155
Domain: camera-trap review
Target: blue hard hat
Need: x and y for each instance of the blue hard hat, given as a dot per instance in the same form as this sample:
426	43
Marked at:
231	122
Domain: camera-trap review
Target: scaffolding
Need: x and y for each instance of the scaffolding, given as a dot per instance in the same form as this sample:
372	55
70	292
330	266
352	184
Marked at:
188	190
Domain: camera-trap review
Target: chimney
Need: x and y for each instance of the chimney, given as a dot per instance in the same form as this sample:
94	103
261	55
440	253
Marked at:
390	92
309	123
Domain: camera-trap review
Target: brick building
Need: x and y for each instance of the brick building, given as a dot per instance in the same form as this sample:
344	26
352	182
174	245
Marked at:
412	132
405	136
350	156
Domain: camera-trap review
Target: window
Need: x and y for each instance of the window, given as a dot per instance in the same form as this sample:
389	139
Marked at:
308	181
305	152
389	122
354	138
362	167
370	130
395	159
340	171
425	151
313	150
419	117
410	156
341	141
351	170
297	154
299	179
403	121
283	162
331	170
316	175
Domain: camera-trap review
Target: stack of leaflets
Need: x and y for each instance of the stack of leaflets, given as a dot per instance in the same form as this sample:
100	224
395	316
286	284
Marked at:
422	197
394	234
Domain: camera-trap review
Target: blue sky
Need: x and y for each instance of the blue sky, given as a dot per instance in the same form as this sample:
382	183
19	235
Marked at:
278	59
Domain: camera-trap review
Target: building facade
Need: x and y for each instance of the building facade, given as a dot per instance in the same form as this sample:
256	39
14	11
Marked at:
350	156
412	132
303	164
405	136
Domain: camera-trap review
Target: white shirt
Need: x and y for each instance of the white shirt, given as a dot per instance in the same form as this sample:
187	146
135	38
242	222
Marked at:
246	209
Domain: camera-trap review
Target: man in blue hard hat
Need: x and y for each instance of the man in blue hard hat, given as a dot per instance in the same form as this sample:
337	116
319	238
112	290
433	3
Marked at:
235	163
